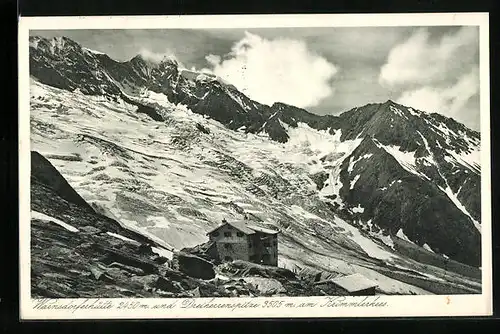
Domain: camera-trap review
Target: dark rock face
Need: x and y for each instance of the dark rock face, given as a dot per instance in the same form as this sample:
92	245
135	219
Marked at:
63	63
393	198
319	179
202	129
195	266
90	262
43	173
292	116
142	109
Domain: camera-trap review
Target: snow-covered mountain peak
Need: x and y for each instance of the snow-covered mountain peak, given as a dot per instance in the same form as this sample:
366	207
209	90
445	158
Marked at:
382	163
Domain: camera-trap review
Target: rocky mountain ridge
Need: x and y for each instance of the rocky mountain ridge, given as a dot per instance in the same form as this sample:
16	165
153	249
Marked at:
391	171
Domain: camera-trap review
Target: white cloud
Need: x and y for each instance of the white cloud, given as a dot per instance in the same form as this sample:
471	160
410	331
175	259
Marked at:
157	57
436	76
446	100
418	60
277	70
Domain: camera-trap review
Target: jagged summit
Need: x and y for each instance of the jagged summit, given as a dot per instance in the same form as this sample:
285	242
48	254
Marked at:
55	44
282	105
167	59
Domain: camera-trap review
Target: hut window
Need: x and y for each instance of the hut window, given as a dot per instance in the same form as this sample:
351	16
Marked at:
227	234
240	234
267	244
249	245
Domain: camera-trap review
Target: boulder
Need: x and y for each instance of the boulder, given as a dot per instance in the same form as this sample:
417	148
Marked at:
130	269
145	249
195	266
266	286
155	282
147	282
99	274
89	230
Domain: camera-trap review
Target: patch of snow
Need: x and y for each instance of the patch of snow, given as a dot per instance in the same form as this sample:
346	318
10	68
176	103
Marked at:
44	217
333	188
369	223
428	248
222	277
205	95
370	247
353	162
163	252
358	209
406	160
297	210
205	77
386	239
460	206
401	235
413	112
94	51
423	273
336	134
119	236
430	157
390	184
445	130
353	182
397	111
471	160
272	116
238	100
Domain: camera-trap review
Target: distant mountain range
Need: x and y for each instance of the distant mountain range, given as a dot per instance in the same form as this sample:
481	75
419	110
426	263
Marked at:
388	172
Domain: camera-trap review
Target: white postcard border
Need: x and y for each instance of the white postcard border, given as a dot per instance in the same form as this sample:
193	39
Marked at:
266	307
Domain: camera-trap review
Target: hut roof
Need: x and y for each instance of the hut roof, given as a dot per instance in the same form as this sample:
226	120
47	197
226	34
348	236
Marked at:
239	225
244	227
262	229
354	282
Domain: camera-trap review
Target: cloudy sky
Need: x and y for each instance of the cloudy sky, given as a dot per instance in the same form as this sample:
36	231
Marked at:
324	70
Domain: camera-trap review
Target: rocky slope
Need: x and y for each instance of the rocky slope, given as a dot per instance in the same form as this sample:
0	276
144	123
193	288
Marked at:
169	153
79	253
